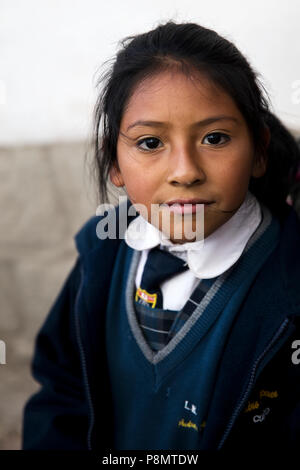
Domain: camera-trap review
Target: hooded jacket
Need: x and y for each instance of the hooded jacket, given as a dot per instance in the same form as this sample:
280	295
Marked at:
256	398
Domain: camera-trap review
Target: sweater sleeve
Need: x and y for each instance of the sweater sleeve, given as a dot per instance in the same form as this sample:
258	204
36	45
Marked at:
56	417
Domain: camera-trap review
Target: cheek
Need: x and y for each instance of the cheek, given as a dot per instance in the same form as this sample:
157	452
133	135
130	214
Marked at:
138	187
140	181
234	172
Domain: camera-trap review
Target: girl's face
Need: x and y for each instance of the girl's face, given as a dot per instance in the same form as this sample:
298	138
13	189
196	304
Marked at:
184	139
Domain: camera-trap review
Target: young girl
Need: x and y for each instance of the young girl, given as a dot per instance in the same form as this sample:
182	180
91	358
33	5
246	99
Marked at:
187	336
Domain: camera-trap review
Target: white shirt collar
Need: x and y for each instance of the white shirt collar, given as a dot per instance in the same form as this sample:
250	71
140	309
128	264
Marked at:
209	257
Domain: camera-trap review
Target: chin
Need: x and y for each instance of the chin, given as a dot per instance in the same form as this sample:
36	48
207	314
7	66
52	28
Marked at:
186	235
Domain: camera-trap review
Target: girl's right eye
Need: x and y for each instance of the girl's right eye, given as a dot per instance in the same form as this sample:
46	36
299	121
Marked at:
151	143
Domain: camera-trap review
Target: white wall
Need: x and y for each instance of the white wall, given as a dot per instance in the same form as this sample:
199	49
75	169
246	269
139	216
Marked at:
50	51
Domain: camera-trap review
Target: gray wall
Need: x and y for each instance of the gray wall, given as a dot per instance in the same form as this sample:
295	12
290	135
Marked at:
45	196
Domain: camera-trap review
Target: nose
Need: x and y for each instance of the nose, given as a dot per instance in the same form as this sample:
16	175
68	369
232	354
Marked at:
184	167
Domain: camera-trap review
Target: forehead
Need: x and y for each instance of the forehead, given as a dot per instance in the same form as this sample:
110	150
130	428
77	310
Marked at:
173	95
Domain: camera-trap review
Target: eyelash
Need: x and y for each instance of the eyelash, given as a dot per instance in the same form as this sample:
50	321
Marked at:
155	138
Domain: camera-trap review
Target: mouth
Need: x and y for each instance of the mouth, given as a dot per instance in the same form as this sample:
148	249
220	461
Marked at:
187	206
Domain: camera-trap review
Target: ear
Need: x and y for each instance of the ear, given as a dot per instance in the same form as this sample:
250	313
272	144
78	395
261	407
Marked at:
260	165
115	175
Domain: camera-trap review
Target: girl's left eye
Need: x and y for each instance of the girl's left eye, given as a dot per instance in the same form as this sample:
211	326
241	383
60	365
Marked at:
215	136
151	142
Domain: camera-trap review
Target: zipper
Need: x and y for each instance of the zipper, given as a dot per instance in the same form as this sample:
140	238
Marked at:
83	362
251	381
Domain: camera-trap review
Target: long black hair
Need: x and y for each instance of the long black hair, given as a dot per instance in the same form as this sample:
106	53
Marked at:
192	46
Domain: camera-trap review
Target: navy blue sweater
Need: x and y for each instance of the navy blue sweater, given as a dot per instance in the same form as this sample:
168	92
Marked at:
256	397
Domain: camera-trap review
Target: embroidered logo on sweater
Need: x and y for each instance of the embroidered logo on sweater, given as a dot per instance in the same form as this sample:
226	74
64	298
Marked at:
146	297
193	408
191	425
254	405
188	425
260	418
262	394
267	393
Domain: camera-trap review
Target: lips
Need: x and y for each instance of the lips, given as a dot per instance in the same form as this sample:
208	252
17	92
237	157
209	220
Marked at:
186	206
188	201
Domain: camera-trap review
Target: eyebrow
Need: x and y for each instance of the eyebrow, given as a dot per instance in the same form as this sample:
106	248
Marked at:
202	123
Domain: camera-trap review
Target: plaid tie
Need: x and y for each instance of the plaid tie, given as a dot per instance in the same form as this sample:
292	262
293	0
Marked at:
160	265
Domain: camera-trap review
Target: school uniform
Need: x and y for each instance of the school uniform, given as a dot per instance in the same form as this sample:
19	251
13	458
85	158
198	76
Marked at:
216	369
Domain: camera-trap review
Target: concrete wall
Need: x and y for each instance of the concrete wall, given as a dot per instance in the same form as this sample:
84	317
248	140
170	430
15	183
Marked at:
45	197
51	51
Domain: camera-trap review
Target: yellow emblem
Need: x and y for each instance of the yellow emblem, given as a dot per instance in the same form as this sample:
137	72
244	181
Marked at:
146	296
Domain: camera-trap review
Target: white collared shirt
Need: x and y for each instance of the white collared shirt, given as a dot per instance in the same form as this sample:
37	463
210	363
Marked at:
206	258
